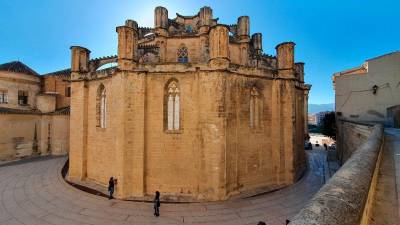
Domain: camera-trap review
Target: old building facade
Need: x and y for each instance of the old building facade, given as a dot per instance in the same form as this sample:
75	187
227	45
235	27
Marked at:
193	109
370	92
34	117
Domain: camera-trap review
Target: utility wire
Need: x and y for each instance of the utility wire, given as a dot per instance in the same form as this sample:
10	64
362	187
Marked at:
357	91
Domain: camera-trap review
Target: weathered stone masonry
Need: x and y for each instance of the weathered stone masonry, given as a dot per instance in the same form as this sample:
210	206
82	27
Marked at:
34	112
347	197
194	109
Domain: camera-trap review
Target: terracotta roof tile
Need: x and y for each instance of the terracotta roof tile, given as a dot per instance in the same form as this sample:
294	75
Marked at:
61	111
17	67
4	110
66	73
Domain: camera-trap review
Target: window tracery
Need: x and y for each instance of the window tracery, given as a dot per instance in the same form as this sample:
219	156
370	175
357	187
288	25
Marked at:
182	54
173	106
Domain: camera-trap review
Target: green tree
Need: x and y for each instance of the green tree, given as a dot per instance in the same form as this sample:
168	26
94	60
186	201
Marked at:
328	127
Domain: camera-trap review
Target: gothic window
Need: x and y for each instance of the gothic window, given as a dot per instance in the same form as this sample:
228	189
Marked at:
172	106
101	107
182	54
255	108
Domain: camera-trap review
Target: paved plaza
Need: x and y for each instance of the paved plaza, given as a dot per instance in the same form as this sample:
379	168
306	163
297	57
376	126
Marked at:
33	192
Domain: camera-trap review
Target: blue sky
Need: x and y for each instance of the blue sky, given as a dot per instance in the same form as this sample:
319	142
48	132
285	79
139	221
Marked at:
330	35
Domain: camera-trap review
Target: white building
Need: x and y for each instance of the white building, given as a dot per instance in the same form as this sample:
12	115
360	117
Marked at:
370	92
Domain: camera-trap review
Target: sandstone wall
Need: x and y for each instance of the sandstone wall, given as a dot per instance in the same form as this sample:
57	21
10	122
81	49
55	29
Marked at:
14	82
197	49
46	102
57	84
350	135
78	131
215	154
101	141
212	139
17	136
192	44
135	141
217	150
172	157
299	156
20	130
251	157
234	53
59	134
345	198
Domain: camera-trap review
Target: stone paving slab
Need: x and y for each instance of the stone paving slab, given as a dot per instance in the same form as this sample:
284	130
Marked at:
386	206
33	192
11	222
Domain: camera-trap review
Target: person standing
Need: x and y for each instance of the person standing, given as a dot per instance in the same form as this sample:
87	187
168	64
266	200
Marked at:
111	186
157	204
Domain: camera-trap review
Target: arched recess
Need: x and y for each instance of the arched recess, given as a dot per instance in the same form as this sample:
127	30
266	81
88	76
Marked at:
172	106
256	107
101	107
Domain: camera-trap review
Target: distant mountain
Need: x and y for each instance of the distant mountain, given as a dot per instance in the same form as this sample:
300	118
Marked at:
315	108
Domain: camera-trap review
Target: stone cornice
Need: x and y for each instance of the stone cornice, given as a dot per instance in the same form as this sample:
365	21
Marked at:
161	68
22	81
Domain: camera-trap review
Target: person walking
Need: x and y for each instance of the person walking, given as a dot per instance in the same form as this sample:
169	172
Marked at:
111	185
157	204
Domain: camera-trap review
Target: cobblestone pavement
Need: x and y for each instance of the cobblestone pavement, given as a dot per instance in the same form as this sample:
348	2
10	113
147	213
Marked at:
33	192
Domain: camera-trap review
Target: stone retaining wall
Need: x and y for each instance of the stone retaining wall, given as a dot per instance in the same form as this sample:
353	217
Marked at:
24	135
344	197
350	135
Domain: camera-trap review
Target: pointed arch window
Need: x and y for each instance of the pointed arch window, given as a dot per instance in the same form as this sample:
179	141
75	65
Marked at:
255	108
101	107
182	54
173	106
